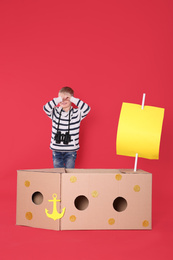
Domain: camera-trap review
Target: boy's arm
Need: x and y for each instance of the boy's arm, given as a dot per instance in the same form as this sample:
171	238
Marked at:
48	108
84	108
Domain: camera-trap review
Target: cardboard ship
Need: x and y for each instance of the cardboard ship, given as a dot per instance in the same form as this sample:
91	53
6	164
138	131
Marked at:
86	199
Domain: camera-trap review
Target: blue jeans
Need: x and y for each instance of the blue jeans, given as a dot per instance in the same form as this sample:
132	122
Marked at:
64	159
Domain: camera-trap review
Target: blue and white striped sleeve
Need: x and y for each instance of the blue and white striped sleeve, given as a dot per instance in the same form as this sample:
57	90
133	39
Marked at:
84	108
49	106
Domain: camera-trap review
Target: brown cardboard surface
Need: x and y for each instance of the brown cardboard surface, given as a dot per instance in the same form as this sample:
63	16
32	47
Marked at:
132	171
34	187
92	198
91	171
48	170
99	191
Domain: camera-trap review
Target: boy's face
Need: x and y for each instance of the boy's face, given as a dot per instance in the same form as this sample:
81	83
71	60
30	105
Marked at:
66	103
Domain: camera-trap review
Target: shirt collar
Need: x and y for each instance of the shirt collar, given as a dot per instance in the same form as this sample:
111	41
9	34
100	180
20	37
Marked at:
64	113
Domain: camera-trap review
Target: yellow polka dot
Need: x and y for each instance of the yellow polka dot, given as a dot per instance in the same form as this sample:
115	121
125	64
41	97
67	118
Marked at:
72	218
111	221
136	188
118	177
73	179
27	183
94	194
28	215
145	223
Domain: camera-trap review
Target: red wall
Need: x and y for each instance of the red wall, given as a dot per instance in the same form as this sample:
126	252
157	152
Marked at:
109	52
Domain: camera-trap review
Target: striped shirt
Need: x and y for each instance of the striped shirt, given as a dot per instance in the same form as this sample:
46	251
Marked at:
76	116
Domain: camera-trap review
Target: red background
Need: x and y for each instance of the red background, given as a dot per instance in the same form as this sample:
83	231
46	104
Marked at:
109	52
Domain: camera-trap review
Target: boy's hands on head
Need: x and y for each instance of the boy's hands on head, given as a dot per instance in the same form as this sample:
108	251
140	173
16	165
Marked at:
65	96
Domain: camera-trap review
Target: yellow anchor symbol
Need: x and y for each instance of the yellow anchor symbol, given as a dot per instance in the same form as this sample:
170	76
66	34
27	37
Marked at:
55	215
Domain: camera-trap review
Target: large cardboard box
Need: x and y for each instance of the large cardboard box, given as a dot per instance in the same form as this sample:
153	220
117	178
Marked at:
79	199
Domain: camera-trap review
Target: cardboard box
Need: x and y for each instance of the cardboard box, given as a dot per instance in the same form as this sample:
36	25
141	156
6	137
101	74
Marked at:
106	199
34	190
90	199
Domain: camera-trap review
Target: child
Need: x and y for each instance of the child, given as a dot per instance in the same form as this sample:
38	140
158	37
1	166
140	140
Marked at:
65	127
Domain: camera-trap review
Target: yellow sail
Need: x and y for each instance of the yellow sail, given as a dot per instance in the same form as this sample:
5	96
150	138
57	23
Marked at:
139	131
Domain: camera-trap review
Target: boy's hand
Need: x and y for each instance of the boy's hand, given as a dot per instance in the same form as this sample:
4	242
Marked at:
66	99
65	96
66	103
